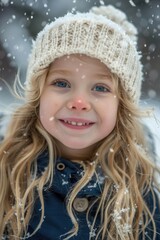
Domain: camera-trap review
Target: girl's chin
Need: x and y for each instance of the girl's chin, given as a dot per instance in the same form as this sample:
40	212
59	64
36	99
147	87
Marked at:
77	146
76	150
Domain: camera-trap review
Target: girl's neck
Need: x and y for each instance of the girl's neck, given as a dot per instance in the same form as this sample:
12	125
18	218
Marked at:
76	154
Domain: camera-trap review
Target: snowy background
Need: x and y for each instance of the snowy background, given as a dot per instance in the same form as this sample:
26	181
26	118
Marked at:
21	20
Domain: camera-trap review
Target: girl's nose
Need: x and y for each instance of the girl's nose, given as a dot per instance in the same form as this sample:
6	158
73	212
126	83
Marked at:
79	105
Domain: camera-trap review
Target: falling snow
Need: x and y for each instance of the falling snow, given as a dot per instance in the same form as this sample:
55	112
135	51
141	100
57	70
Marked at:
83	77
132	3
126	191
51	118
102	2
111	150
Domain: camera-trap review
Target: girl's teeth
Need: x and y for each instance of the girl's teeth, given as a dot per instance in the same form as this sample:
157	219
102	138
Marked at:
76	123
73	123
79	124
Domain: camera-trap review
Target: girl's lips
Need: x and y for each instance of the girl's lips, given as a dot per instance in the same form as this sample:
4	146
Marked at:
75	123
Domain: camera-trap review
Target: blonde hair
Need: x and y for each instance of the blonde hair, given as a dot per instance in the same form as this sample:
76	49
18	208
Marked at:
127	169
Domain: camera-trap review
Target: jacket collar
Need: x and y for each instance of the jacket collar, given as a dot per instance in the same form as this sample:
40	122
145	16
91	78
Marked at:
70	173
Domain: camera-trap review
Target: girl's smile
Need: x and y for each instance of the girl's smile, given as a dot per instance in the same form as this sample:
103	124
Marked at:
78	106
76	123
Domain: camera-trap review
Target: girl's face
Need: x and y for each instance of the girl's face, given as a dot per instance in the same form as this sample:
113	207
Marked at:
78	106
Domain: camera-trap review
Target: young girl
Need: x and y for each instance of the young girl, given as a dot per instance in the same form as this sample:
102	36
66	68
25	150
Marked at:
73	164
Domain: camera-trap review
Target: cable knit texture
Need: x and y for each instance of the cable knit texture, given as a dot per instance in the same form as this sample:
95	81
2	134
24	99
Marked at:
103	33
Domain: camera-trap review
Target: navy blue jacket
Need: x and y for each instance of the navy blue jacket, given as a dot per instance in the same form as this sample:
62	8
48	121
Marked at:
56	220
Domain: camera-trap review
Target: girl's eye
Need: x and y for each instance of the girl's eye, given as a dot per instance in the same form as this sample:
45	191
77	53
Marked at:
61	83
101	88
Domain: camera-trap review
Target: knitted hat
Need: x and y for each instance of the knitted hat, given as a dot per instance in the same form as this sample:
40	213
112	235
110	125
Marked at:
103	33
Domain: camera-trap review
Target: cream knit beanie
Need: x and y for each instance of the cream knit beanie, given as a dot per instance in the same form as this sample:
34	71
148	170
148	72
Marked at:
103	33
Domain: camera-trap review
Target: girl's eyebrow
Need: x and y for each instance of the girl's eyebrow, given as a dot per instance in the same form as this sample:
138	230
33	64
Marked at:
59	71
104	75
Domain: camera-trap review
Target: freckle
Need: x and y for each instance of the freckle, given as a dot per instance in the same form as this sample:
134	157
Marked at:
77	69
80	64
51	118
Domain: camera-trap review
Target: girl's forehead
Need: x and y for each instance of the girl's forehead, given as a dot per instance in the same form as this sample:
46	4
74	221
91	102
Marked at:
73	61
